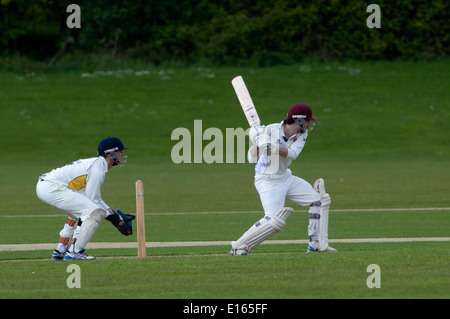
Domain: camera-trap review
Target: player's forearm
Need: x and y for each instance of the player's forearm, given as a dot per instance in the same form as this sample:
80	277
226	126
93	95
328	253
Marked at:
283	152
253	154
254	150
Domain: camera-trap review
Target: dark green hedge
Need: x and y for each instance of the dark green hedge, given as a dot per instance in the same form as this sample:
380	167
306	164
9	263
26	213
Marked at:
228	31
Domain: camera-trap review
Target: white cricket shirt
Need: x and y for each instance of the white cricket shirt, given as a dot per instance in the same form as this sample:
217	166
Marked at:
85	176
275	166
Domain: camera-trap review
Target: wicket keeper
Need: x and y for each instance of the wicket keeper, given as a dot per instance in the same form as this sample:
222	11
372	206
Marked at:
75	190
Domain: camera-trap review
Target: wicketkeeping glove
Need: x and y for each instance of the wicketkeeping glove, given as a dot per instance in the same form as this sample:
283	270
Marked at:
122	221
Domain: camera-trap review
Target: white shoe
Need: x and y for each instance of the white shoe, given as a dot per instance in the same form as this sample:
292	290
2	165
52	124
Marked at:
78	256
238	252
314	250
57	255
329	250
311	249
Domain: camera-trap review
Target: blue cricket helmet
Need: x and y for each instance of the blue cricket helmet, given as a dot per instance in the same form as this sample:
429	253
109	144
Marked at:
110	144
109	147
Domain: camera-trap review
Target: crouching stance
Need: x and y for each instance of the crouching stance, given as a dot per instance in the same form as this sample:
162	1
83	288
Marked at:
274	148
75	190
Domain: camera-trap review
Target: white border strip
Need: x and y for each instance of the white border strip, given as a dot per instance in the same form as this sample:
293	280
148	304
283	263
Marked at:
116	245
260	212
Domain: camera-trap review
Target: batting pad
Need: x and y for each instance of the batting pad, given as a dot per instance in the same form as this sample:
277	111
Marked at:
318	223
263	229
69	226
88	228
323	227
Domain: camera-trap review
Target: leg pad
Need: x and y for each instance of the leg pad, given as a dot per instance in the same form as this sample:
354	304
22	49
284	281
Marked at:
262	229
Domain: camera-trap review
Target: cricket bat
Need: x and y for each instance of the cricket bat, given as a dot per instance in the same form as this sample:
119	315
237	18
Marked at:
246	101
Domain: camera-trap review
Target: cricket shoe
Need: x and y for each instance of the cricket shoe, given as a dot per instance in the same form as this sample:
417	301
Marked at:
57	255
238	252
311	249
329	249
78	256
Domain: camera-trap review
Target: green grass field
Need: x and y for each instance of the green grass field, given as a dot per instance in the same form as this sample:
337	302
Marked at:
381	142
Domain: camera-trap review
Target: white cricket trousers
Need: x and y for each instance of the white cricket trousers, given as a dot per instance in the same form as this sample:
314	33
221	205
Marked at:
75	205
274	190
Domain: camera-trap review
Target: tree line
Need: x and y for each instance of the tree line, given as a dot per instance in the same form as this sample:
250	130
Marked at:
226	32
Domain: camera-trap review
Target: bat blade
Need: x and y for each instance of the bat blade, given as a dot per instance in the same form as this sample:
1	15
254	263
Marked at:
246	101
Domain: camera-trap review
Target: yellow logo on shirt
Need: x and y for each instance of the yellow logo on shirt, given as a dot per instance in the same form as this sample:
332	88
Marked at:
78	183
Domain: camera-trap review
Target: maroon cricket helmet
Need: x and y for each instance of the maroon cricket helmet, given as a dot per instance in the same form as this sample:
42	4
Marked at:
300	110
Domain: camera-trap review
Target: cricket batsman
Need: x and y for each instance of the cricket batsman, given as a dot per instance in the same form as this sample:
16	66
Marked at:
75	190
274	148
